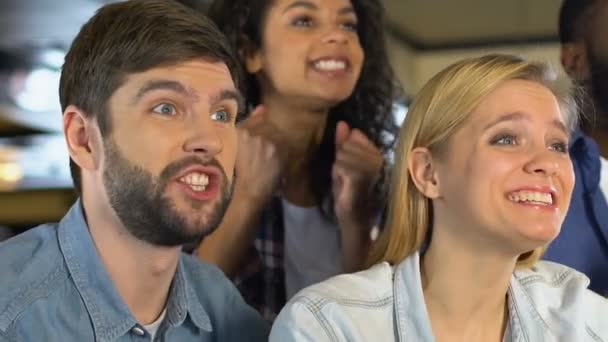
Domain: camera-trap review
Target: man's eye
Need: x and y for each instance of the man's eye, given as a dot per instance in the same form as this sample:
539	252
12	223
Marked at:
165	109
221	115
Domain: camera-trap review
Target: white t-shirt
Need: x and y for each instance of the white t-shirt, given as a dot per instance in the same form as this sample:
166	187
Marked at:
312	248
152	328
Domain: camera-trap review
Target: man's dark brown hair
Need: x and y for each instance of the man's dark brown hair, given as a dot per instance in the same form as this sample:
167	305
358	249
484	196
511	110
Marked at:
132	37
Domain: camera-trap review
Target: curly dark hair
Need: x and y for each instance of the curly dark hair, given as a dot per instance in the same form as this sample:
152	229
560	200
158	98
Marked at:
370	106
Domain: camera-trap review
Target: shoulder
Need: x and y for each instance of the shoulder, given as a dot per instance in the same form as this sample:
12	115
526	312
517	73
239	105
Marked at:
373	284
328	311
32	268
561	298
550	274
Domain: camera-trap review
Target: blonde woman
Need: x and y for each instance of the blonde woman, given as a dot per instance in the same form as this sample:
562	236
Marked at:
482	184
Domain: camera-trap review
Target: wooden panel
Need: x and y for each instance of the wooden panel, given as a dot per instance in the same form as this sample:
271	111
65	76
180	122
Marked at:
436	23
27	208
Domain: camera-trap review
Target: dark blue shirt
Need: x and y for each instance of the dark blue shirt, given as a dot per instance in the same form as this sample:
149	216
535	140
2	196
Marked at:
583	241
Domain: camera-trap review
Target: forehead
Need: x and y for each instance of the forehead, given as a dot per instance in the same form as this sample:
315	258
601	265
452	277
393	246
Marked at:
517	96
202	75
320	4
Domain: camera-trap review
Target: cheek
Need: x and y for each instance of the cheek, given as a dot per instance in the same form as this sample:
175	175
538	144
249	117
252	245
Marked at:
567	177
358	56
149	149
485	174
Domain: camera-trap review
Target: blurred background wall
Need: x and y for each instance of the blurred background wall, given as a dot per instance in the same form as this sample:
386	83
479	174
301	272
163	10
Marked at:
423	37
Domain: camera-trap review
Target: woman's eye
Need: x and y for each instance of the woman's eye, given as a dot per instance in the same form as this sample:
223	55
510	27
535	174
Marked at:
221	115
505	139
561	147
165	109
303	21
351	26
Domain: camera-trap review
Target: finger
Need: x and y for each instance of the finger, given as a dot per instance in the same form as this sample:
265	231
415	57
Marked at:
267	131
341	182
355	170
361	150
336	180
259	110
349	159
255	117
342	132
358	138
350	168
373	159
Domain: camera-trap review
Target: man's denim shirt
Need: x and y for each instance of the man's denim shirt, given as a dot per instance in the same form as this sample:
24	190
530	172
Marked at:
55	288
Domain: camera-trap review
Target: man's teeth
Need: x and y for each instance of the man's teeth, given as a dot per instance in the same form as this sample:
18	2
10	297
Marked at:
531	196
196	181
330	65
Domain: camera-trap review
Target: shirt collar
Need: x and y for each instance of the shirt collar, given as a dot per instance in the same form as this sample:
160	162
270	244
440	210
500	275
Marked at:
110	316
185	300
413	322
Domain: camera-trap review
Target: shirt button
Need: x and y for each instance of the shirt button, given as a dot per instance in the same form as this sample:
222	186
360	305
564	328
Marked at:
138	331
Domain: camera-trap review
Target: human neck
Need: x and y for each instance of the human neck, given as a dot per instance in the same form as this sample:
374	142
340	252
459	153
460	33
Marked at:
465	289
141	272
303	129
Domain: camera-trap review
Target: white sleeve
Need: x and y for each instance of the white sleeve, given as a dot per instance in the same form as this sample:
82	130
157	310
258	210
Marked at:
604	177
597	311
296	322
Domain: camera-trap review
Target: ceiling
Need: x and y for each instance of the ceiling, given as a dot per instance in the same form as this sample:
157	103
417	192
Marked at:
42	22
434	24
424	24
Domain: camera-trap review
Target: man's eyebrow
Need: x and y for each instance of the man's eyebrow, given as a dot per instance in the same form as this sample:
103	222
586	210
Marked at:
228	94
162	84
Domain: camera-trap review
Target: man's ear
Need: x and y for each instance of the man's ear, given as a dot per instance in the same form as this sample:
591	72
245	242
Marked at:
423	171
82	135
574	60
251	54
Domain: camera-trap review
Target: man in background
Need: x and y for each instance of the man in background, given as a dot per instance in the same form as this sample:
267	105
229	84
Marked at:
583	241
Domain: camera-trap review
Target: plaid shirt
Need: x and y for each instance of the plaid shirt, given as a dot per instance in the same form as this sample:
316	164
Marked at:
262	279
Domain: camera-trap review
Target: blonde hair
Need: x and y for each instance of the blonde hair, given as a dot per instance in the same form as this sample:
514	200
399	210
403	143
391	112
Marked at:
439	109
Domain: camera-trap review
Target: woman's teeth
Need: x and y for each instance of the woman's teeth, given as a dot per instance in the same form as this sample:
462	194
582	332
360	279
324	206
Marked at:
330	65
542	198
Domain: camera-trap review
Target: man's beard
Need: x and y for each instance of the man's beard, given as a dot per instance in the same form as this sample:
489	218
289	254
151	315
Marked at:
598	84
140	201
